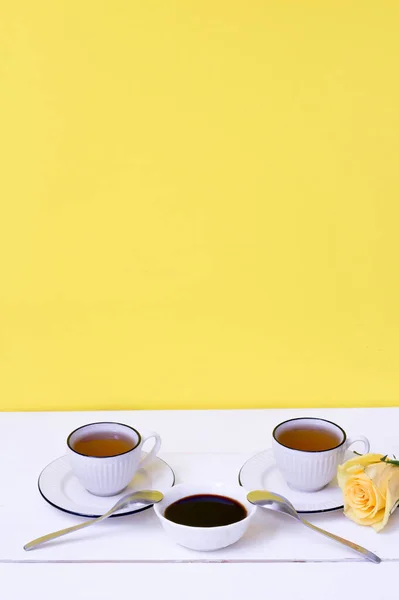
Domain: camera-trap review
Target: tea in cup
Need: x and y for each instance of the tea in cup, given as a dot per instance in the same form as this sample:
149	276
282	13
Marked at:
308	451
105	456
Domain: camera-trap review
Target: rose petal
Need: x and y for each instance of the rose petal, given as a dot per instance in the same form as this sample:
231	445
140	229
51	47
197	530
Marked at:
375	520
392	495
379	473
362	501
370	489
362	461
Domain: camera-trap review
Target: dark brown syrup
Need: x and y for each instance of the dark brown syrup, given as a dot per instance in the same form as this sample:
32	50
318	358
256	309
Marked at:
205	510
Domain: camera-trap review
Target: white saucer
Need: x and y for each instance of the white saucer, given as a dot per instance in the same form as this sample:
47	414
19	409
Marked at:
260	473
60	488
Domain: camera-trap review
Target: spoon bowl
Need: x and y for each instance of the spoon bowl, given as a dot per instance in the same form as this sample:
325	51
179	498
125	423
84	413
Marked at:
282	505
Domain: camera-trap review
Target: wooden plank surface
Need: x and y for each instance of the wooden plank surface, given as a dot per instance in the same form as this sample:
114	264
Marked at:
307	581
199	445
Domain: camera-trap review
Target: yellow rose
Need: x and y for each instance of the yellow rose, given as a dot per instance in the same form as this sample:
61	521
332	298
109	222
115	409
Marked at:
370	488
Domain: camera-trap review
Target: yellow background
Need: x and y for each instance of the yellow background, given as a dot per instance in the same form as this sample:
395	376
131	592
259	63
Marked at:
199	203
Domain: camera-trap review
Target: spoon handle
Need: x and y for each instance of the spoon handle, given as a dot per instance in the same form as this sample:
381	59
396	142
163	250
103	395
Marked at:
56	534
359	549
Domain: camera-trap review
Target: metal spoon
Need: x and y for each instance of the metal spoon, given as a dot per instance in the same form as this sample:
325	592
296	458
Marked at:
141	497
282	505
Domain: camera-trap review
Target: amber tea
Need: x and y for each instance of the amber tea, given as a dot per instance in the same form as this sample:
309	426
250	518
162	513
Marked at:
309	439
103	444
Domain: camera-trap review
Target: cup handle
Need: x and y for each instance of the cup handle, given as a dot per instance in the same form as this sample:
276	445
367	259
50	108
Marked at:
359	438
154	450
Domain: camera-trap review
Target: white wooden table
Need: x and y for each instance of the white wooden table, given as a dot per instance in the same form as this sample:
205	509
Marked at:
131	555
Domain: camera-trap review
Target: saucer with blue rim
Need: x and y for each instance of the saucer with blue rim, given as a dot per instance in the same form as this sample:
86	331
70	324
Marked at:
260	472
61	488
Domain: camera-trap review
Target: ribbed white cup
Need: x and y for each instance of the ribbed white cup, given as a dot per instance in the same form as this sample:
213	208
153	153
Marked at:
309	471
109	475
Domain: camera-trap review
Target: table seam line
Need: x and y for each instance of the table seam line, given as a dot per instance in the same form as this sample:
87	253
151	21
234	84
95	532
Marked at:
194	561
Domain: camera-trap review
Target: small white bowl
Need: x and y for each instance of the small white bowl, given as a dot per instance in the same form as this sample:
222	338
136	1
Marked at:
205	538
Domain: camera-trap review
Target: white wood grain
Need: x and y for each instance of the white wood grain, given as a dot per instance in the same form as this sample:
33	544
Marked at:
199	445
310	581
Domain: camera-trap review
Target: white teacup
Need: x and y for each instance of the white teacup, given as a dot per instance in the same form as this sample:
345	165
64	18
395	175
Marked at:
311	470
108	475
